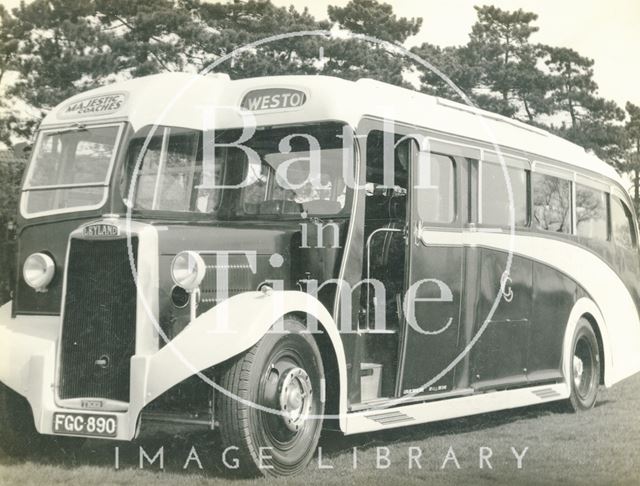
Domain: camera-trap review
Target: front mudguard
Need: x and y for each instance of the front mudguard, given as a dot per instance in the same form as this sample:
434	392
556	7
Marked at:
28	347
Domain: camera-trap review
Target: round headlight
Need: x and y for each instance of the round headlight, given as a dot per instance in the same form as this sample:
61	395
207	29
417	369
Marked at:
38	271
187	270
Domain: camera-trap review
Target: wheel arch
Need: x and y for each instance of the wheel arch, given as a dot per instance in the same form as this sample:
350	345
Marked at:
332	397
596	330
586	308
196	348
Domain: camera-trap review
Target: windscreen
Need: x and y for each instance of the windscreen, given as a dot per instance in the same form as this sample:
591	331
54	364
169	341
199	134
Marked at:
69	169
276	172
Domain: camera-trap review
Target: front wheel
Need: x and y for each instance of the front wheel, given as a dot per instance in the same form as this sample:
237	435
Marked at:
275	387
584	368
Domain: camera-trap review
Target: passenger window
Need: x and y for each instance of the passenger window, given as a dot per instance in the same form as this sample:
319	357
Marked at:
435	188
591	213
622	228
495	198
551	203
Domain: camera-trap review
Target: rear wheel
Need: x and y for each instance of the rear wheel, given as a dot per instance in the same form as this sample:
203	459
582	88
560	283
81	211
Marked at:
282	374
584	368
18	435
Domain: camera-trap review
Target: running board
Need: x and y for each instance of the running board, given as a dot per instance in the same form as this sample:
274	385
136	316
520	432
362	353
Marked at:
420	413
389	403
175	418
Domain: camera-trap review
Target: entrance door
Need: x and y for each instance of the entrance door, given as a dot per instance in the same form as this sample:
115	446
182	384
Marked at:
434	281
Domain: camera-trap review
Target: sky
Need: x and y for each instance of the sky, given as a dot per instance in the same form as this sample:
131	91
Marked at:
607	31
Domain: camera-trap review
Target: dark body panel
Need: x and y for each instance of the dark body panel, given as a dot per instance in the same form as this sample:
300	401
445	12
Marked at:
242	240
432	346
554	296
50	237
50	234
500	354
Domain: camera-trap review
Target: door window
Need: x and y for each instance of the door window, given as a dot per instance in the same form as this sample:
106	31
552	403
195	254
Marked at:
435	188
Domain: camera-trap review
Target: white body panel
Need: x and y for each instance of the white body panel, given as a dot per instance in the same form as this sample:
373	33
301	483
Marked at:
420	413
28	346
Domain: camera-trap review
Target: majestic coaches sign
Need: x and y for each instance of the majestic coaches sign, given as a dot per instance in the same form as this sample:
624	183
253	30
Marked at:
96	105
273	99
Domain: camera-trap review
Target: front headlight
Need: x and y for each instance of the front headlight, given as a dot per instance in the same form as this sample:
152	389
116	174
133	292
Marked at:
38	271
187	270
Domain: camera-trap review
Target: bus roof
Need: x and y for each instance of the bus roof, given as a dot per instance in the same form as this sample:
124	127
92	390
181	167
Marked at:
186	100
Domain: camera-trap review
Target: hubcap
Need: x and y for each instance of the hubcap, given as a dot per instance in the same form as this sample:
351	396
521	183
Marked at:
295	397
584	368
578	371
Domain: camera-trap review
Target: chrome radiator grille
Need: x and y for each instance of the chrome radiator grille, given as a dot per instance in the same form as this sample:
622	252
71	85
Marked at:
99	320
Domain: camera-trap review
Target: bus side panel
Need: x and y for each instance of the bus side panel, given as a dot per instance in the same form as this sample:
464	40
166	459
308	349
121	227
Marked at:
554	295
601	281
523	342
499	357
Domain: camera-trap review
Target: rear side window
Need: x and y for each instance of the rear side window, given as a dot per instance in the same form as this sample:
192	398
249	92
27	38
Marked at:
622	228
591	213
495	198
551	203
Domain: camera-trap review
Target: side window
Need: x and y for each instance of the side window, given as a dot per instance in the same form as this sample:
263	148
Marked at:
183	168
591	213
622	229
435	188
170	171
551	203
495	198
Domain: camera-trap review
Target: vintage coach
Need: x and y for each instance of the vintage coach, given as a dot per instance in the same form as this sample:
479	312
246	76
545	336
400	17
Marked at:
163	280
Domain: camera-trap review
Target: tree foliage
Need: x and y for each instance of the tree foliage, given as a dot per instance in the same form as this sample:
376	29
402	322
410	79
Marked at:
58	48
502	70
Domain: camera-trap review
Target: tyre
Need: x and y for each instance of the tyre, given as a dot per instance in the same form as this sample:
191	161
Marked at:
284	373
18	435
584	368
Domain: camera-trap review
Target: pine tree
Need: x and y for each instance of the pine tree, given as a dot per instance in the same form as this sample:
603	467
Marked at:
588	119
632	159
509	81
352	58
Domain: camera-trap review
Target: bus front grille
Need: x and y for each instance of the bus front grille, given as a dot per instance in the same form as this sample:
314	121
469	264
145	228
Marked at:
99	320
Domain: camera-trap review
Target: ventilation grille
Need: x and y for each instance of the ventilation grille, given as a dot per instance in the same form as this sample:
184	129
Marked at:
546	393
390	417
99	324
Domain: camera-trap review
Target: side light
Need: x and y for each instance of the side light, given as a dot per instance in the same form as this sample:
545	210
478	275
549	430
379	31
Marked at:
38	271
187	270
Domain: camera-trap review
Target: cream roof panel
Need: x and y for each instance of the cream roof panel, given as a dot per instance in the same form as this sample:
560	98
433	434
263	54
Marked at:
180	99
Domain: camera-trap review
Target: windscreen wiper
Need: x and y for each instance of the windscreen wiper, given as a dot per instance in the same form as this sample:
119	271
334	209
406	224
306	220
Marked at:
76	127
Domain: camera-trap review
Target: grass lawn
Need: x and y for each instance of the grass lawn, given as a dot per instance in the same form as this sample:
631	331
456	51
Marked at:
601	446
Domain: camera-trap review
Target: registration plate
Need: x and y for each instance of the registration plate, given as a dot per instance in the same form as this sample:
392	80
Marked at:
95	425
